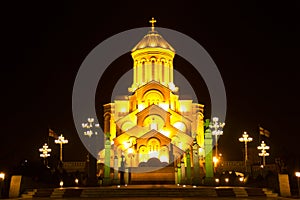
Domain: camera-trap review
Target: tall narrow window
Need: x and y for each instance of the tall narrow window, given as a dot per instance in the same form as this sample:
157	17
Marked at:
153	70
163	71
136	73
143	71
170	74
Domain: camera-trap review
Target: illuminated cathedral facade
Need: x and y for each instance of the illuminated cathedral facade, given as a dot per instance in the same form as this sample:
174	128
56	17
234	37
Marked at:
153	127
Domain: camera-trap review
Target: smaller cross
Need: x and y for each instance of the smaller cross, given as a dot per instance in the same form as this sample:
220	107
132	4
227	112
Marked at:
152	21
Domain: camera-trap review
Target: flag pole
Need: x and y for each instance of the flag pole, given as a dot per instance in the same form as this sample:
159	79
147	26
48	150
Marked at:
259	136
48	136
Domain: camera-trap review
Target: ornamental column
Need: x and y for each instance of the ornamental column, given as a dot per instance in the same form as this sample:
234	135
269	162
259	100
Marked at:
196	177
188	167
106	179
209	174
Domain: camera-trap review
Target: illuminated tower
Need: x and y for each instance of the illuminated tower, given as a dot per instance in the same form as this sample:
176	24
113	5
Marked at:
153	127
153	61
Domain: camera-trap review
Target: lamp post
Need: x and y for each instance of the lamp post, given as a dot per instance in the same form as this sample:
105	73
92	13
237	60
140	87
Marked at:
263	147
89	130
298	179
216	127
61	140
245	138
44	152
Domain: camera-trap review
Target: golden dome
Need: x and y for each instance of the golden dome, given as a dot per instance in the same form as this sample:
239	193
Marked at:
153	40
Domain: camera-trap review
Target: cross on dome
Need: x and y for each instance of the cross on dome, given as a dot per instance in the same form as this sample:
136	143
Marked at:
152	21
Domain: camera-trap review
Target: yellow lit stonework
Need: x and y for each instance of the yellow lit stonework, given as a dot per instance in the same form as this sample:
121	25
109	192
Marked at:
152	122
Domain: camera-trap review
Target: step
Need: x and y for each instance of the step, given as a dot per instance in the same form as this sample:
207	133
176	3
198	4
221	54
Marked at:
255	192
240	192
269	193
57	193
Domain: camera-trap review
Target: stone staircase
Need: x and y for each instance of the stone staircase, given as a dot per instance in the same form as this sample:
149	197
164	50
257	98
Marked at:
43	192
28	194
57	193
149	191
269	193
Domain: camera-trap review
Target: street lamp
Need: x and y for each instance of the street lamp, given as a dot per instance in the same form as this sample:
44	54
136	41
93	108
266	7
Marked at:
89	125
2	176
216	127
215	161
298	178
245	138
263	147
44	152
61	140
89	131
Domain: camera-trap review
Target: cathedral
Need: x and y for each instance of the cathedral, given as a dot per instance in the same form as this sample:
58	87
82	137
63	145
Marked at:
153	130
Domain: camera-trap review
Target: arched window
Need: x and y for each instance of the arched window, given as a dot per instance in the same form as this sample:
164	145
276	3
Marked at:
143	154
127	125
154	97
153	147
155	122
180	126
164	154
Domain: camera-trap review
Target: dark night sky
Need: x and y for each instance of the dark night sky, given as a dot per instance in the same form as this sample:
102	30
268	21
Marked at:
255	46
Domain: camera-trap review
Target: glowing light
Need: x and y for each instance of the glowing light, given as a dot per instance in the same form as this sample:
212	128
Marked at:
61	140
88	126
166	133
241	179
141	107
183	108
180	126
263	147
45	151
164	106
297	174
217	180
61	183
153	126
216	127
126	144
76	181
130	151
201	151
215	160
153	154
164	159
2	175
226	180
